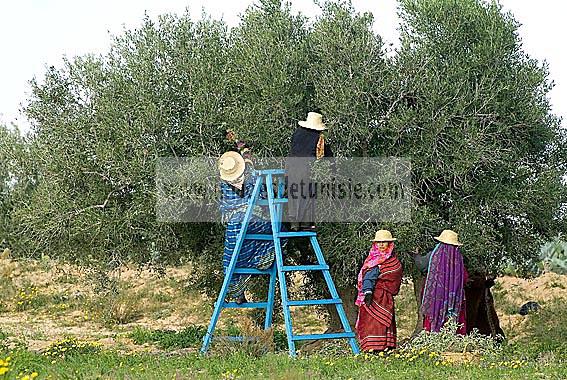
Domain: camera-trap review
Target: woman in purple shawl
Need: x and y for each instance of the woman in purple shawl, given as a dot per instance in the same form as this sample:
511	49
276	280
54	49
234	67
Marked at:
444	289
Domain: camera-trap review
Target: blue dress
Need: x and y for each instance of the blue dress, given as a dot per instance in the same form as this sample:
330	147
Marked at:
257	254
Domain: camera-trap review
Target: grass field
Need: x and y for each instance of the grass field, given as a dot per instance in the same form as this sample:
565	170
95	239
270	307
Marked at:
111	365
59	322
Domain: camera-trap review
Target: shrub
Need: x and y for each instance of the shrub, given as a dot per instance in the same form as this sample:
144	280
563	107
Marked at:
447	340
191	336
554	256
71	346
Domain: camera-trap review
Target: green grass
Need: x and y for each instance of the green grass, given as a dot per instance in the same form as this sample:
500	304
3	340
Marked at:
540	355
192	337
112	365
501	298
547	331
169	339
541	348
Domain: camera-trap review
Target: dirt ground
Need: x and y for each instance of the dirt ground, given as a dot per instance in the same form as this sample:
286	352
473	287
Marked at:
44	301
511	293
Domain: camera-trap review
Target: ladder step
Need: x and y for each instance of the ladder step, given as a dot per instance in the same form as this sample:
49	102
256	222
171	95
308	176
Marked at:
245	305
251	271
281	235
323	336
259	237
274	172
264	202
331	301
291	268
297	234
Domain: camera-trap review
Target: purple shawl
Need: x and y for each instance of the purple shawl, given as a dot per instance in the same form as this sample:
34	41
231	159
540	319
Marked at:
443	292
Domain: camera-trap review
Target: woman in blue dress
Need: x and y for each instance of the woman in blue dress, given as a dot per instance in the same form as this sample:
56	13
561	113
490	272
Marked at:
237	184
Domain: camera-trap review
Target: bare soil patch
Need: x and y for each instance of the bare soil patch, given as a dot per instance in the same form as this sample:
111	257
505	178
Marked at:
65	303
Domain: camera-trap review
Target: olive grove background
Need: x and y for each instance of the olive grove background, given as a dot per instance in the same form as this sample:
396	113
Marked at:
460	99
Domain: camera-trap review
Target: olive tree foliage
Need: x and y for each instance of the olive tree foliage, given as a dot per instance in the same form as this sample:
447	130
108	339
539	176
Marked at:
460	99
268	92
100	125
473	116
17	179
349	73
268	71
166	89
7	144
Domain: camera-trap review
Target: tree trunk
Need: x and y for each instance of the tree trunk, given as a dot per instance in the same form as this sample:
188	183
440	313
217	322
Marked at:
418	282
348	295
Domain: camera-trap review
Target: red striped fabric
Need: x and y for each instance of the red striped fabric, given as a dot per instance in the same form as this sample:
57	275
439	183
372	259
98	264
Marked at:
376	324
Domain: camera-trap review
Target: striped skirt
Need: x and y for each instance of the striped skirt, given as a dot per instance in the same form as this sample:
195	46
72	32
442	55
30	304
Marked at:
258	254
376	324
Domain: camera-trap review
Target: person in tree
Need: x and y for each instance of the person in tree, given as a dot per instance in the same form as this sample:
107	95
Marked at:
307	145
444	287
379	280
240	146
236	185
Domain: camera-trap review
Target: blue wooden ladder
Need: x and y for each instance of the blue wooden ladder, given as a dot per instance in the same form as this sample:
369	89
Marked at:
278	270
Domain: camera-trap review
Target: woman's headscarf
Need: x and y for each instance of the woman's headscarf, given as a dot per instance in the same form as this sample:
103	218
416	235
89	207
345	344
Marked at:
375	257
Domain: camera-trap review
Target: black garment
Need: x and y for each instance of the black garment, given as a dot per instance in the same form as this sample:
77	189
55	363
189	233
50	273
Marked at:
369	279
481	313
239	192
304	143
422	262
300	189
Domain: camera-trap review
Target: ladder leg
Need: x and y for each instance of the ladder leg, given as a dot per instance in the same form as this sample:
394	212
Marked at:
280	206
285	306
279	266
334	294
230	270
271	298
218	305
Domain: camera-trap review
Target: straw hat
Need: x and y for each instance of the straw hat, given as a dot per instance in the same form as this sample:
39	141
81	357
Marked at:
449	237
231	166
383	235
314	121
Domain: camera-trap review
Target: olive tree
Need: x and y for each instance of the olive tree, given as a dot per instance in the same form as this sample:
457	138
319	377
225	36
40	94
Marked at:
473	115
100	125
459	98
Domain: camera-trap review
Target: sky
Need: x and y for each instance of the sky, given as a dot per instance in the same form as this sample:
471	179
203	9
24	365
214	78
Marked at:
36	34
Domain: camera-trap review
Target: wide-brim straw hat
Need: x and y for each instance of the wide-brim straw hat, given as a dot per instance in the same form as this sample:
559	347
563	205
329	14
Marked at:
231	166
449	237
314	121
383	235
